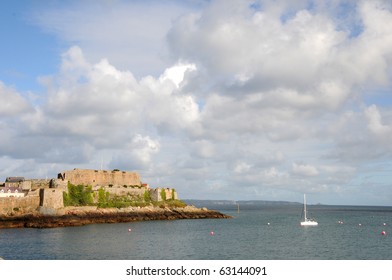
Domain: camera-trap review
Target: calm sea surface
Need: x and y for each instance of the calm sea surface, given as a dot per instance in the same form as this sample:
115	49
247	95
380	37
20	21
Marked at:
268	232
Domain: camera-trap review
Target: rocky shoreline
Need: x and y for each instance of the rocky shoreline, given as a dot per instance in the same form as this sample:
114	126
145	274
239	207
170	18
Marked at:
79	216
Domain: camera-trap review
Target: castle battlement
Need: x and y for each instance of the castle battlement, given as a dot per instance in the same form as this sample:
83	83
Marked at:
100	177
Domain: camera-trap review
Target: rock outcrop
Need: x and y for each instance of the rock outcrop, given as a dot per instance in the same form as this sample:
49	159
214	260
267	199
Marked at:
78	216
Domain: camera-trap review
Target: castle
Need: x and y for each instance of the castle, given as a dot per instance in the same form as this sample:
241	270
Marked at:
100	177
18	194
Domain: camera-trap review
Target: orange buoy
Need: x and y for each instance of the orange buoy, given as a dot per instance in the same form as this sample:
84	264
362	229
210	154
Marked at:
383	232
129	230
212	233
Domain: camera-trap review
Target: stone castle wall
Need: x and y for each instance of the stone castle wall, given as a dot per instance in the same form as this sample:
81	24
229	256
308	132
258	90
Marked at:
58	183
120	191
52	198
19	205
39	183
156	194
100	177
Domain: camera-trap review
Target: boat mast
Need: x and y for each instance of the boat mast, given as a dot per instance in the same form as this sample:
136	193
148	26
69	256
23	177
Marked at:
305	206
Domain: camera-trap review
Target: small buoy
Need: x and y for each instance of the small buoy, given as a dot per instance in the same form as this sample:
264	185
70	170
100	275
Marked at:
360	224
383	232
268	223
384	224
212	233
129	230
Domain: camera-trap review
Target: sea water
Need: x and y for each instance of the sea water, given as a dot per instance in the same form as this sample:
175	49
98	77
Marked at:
261	233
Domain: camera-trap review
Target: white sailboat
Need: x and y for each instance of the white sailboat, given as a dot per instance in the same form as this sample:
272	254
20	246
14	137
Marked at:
307	221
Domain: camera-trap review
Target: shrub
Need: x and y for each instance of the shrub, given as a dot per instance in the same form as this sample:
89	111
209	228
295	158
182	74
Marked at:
163	194
103	198
66	199
147	196
176	203
78	195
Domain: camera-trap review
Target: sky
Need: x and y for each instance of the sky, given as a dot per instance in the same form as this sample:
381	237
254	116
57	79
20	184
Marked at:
234	100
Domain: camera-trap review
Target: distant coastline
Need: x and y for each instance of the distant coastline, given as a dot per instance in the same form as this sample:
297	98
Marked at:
233	204
252	204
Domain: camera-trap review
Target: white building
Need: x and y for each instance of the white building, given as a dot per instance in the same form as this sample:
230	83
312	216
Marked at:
11	192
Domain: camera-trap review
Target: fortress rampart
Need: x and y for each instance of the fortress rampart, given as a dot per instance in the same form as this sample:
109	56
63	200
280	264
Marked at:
100	177
19	205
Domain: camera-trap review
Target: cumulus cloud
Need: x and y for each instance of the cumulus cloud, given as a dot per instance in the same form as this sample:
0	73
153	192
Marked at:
137	155
96	106
176	73
12	103
289	75
361	137
304	60
375	124
233	41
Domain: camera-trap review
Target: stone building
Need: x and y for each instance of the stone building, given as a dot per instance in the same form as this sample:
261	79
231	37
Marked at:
17	182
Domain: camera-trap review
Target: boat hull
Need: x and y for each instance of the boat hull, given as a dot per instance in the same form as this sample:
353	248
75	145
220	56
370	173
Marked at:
309	223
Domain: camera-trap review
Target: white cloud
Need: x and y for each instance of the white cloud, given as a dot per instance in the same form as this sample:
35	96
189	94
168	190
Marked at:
137	154
242	167
204	148
144	147
96	106
304	170
176	73
375	124
12	103
102	98
234	42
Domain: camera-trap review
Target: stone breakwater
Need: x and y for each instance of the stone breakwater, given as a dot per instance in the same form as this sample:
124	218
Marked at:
79	216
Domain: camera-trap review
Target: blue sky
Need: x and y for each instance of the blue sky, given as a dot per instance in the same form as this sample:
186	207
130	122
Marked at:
27	51
218	99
